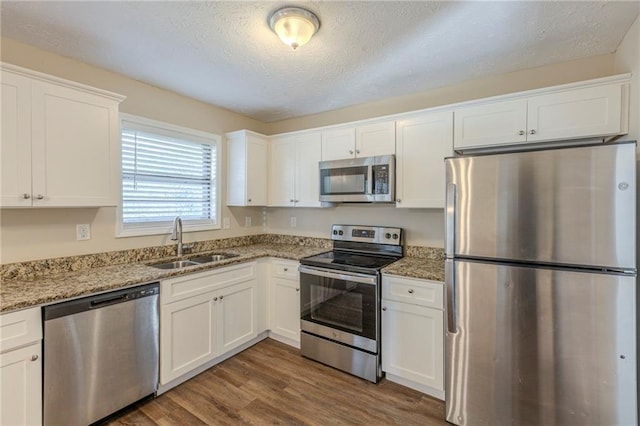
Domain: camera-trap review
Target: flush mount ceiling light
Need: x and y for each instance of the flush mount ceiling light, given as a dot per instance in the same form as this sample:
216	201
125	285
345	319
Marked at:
295	26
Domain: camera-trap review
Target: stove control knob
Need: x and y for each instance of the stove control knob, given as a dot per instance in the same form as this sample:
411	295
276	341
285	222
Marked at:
335	232
395	236
340	232
387	235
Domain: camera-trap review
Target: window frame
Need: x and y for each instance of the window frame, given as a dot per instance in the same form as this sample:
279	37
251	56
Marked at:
179	132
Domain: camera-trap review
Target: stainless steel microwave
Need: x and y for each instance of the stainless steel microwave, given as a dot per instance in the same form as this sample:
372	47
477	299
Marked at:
358	180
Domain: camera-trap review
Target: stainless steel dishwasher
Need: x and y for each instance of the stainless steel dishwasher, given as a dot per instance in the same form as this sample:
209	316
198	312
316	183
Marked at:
100	354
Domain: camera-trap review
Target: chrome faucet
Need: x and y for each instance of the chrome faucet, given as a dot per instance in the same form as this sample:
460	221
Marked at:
176	234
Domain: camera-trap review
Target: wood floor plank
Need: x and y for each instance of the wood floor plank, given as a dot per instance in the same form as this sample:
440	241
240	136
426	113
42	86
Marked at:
271	384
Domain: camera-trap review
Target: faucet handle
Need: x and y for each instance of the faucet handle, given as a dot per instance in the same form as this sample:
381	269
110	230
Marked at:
186	248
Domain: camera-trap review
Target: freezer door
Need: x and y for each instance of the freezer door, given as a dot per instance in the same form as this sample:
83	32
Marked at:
540	347
573	206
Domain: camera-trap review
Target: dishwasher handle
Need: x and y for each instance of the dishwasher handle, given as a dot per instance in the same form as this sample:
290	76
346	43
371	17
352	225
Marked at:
99	301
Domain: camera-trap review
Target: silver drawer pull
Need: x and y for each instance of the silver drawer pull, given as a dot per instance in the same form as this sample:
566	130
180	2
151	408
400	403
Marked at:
410	291
384	309
34	357
286	269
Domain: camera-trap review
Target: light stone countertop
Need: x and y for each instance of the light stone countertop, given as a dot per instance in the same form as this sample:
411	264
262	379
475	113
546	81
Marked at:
45	289
417	267
18	294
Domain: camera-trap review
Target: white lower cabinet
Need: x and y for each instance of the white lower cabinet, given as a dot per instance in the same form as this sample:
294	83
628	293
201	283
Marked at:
284	302
413	333
21	368
219	317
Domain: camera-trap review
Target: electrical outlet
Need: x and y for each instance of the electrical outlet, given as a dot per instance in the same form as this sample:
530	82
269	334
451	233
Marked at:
293	221
247	221
83	232
226	224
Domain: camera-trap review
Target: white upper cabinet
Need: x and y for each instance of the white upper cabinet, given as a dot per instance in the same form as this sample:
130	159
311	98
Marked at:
362	141
376	139
593	111
338	144
247	169
60	142
293	170
422	143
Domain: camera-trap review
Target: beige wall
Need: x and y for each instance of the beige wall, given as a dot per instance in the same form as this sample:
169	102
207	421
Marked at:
533	78
44	233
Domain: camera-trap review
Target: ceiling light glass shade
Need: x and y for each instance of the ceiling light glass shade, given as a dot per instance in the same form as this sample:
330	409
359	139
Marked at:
294	26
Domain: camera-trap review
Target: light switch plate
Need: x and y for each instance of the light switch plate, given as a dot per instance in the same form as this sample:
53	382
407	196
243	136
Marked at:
83	232
293	221
247	221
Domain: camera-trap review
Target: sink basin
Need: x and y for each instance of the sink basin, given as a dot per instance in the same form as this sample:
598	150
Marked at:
213	257
174	265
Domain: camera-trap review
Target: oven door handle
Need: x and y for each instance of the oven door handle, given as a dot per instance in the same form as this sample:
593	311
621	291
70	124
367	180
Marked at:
326	273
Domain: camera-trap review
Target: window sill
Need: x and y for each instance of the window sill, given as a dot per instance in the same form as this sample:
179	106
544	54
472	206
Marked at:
166	229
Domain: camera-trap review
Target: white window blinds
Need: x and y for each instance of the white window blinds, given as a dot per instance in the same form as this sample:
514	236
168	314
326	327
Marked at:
166	174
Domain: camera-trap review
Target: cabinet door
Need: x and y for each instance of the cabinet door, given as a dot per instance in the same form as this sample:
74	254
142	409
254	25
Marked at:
490	124
15	143
282	170
187	337
256	170
21	386
338	144
76	156
413	343
580	113
285	308
308	155
376	139
422	142
237	315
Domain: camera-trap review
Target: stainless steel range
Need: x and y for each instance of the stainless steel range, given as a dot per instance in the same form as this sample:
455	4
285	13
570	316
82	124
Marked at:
340	298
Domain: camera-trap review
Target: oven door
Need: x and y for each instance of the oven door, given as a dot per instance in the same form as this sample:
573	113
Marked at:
340	306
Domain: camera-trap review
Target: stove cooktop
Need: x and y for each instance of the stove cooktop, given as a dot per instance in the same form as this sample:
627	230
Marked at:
348	261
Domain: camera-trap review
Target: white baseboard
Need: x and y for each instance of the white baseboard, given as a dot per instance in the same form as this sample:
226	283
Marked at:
436	393
285	340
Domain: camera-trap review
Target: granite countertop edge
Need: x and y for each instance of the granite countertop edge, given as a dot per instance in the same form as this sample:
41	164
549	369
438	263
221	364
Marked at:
22	294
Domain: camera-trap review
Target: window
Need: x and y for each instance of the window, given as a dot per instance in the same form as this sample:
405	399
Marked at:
167	171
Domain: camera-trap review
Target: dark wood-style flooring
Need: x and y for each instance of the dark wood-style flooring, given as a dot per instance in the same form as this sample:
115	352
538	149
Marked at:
270	383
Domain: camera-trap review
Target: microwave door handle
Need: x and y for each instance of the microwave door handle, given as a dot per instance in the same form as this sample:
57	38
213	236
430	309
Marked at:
369	180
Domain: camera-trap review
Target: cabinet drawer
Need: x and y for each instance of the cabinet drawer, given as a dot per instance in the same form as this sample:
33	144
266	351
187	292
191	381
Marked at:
285	269
190	285
414	291
20	328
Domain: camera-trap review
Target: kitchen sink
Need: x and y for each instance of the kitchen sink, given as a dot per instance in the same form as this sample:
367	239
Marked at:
213	257
175	265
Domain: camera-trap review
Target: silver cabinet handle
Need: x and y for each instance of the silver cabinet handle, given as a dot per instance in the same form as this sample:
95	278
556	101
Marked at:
34	357
410	291
297	289
286	269
292	200
221	297
532	132
384	309
357	151
296	201
249	200
398	200
40	197
26	196
521	132
351	151
215	298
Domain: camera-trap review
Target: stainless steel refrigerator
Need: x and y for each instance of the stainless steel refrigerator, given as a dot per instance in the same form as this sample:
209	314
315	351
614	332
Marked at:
541	287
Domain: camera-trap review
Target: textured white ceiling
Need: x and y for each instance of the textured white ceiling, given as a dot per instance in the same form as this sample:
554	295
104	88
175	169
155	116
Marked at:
223	52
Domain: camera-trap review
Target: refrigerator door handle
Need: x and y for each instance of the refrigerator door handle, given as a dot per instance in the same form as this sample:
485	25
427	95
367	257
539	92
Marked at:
450	284
450	220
